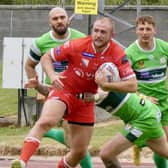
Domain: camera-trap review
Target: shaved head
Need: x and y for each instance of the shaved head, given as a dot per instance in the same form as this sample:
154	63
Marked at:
58	21
55	10
105	22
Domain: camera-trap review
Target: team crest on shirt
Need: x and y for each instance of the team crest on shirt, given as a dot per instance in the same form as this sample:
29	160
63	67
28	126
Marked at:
163	60
151	57
141	64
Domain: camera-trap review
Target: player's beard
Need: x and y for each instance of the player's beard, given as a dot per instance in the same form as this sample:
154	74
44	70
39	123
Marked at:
100	45
59	31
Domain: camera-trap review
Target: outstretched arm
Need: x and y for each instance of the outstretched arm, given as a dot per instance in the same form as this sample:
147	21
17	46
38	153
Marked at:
30	68
41	88
47	64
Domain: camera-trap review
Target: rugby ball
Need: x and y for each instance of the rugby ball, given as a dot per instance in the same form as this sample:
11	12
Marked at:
110	70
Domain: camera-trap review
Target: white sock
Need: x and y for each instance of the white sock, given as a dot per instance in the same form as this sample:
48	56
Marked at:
66	164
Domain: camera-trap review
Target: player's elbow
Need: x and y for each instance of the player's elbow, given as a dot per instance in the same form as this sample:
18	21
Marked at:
45	58
30	67
30	63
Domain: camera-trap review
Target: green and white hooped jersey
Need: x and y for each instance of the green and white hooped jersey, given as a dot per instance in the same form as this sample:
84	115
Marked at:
150	69
44	43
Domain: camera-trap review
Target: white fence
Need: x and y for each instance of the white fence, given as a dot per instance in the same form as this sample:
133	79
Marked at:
15	52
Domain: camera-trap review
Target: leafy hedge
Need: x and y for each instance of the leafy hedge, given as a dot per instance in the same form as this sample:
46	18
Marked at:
71	2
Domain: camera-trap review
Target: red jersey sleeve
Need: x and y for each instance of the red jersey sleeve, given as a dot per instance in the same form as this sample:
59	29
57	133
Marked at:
63	52
124	66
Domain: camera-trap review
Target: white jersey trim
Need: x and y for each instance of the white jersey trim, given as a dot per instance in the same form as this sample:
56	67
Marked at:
108	45
153	81
128	77
154	46
61	40
154	68
32	58
35	48
121	104
52	54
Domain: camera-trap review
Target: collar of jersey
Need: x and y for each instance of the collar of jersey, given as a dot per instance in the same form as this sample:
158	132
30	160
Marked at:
154	46
61	40
108	45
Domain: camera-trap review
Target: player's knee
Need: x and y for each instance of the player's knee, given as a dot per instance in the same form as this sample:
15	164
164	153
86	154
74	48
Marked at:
45	124
67	138
165	155
104	155
80	153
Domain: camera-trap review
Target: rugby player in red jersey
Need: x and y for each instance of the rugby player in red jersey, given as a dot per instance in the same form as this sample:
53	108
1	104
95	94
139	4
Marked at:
84	56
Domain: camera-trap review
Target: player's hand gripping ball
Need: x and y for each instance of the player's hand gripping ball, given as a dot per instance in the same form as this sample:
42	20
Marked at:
109	71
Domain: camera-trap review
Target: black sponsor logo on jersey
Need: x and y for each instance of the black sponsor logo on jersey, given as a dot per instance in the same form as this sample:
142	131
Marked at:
142	102
124	59
85	54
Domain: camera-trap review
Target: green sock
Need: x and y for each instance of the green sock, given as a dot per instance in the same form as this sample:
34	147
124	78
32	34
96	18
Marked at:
86	162
56	134
160	162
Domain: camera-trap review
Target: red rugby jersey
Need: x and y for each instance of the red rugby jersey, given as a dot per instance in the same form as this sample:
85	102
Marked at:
83	61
